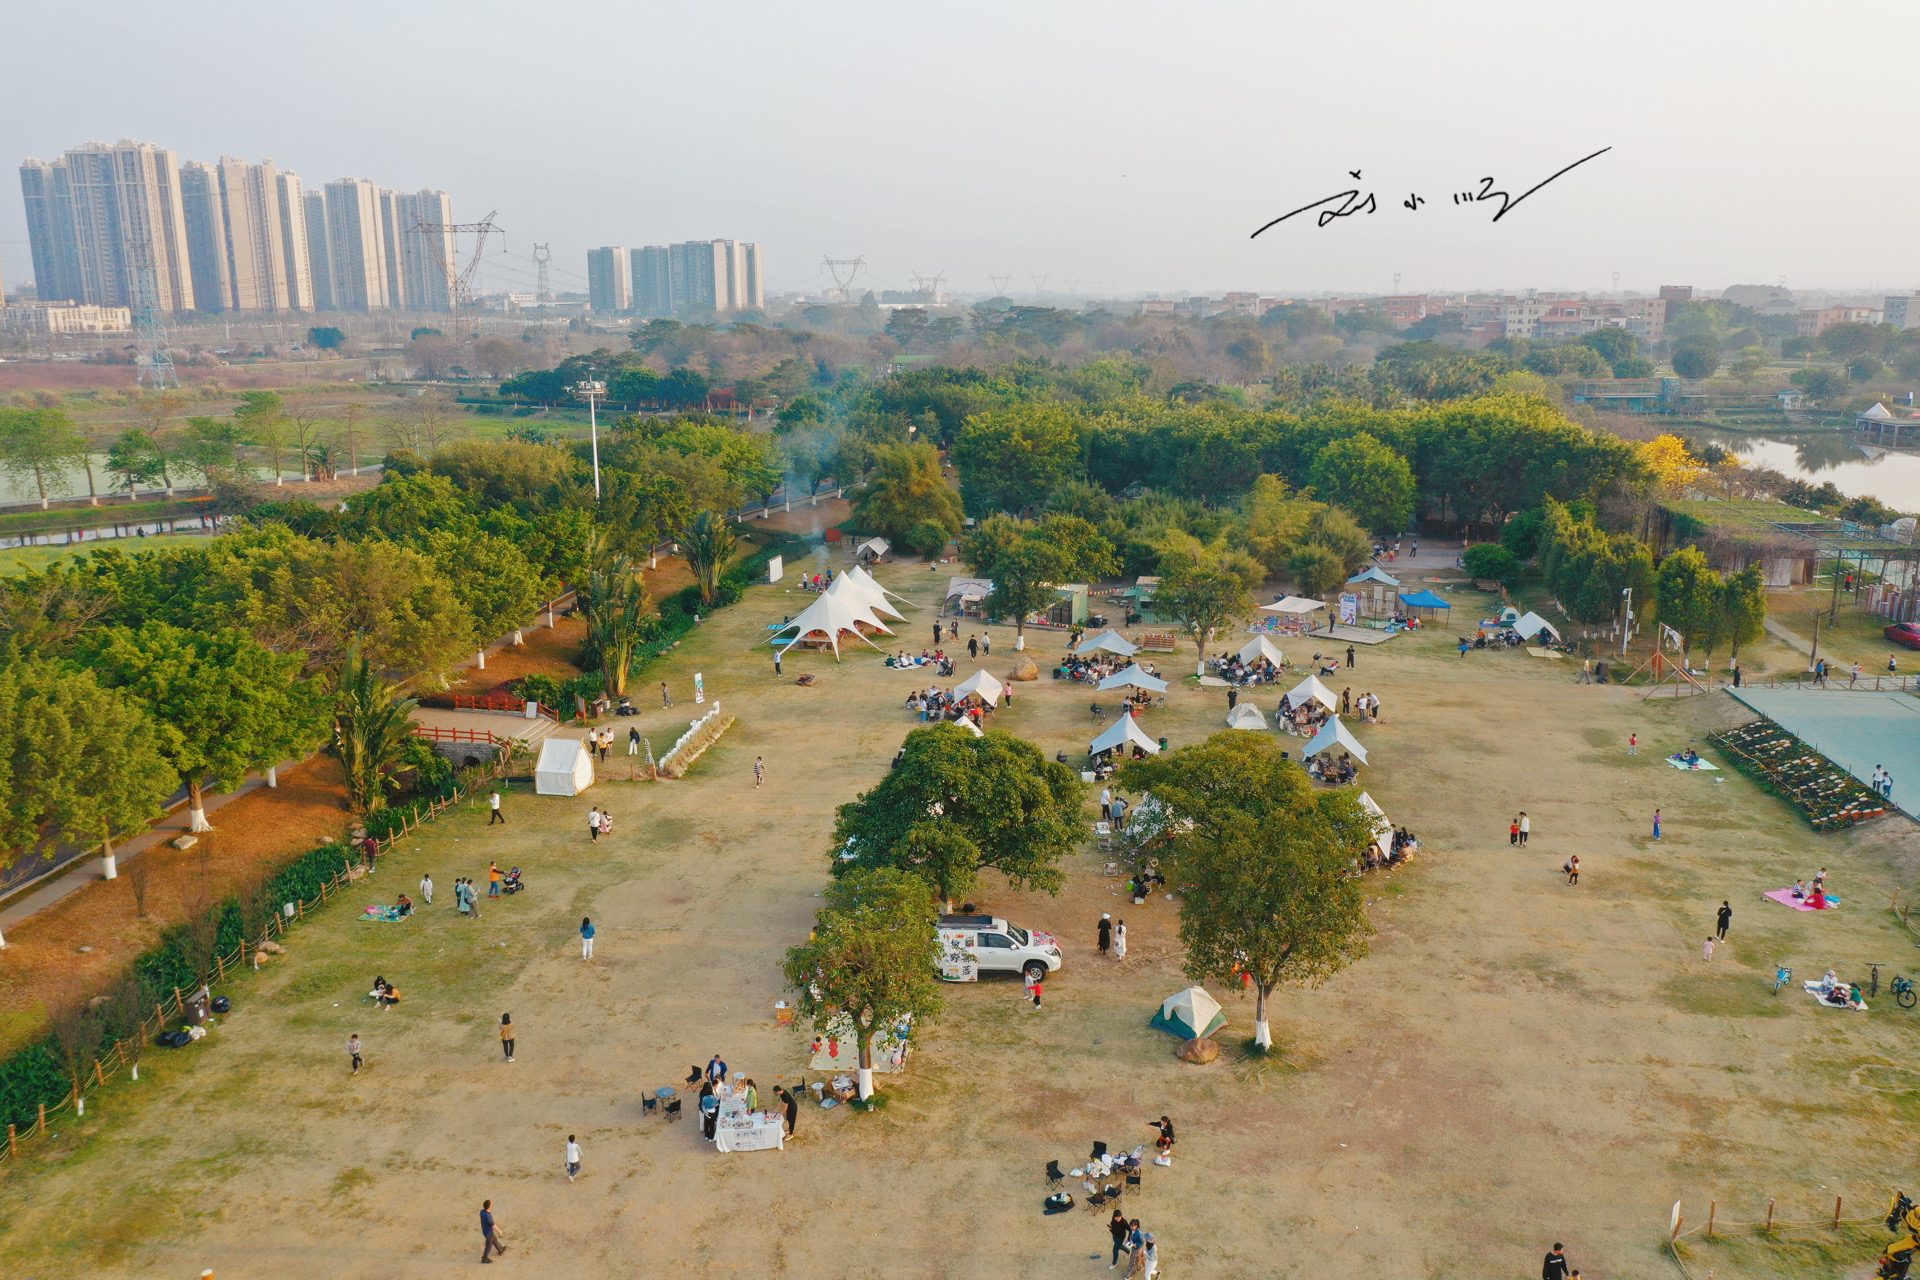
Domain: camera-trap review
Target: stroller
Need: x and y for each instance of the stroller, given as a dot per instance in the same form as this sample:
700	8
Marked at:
512	883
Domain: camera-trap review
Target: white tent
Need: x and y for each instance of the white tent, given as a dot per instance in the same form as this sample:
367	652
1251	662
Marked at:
860	575
1312	688
1260	647
1532	624
967	722
1191	1014
1335	734
565	768
1109	640
875	547
828	618
1136	676
981	683
1292	604
1123	731
1382	828
968	588
863	595
1246	716
1374	573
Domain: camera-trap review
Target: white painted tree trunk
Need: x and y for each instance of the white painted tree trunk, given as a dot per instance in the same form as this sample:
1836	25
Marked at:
197	820
79	1105
1019	641
1263	1034
866	1083
273	775
109	866
517	637
480	655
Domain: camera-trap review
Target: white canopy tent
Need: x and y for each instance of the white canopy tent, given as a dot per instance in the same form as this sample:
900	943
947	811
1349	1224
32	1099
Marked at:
966	589
1292	604
565	768
863	595
981	683
828	618
1312	688
875	547
1532	624
1135	676
1121	732
1260	647
1334	734
859	574
1382	828
971	726
1246	716
1109	641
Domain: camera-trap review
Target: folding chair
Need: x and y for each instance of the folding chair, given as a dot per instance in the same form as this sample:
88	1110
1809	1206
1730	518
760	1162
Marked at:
1053	1173
649	1105
673	1110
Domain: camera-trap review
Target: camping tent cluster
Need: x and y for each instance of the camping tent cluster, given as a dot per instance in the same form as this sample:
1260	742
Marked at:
854	601
1134	676
1109	641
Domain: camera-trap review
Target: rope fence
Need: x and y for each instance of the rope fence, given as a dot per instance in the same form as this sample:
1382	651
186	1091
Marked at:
1716	1226
123	1055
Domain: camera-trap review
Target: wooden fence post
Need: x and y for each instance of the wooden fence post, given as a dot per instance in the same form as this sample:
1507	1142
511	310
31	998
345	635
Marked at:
13	1143
1836	1212
160	1016
1769	1217
99	1076
178	1003
1713	1208
41	1127
219	967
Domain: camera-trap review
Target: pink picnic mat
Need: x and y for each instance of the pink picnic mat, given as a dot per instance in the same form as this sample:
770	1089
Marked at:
1785	898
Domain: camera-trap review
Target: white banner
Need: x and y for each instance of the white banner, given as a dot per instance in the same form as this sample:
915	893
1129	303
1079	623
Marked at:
1349	607
776	568
699	688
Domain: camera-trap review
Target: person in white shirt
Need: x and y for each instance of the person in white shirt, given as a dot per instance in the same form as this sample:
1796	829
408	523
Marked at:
426	886
573	1158
1106	803
493	802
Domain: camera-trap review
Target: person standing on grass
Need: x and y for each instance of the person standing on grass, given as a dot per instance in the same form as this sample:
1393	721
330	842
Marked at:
986	645
1555	1265
1725	919
494	877
791	1107
493	803
1706	948
666	697
1656	824
1033	989
1105	929
593	824
489	1234
1633	744
1349	656
633	733
506	1035
759	772
426	886
1117	1228
573	1157
1573	869
973	647
1526	828
1106	804
586	938
353	1052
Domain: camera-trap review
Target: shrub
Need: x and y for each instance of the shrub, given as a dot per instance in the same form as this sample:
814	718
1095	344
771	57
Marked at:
1490	560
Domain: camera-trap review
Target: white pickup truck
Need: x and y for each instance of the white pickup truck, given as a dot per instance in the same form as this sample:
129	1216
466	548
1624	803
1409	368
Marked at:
993	945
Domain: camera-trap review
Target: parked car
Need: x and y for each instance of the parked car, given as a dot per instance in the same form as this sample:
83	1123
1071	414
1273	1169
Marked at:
1905	633
1001	947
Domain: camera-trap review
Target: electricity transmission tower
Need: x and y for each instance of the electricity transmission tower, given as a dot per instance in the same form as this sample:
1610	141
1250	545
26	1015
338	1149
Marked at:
851	268
459	279
543	290
1039	285
153	363
1073	286
1000	283
929	285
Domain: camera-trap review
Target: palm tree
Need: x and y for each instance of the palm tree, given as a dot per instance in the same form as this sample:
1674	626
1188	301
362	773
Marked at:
615	601
370	725
708	543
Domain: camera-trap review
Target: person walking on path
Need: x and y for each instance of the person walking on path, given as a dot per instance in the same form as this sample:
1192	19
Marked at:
506	1035
494	877
1555	1266
1656	824
1117	1228
1349	657
489	1234
1526	828
759	772
986	645
1853	677
1633	744
426	886
776	663
1119	939
1233	697
493	803
1706	949
573	1157
593	825
1573	869
791	1107
973	647
586	938
1725	919
666	698
353	1052
1106	933
1106	804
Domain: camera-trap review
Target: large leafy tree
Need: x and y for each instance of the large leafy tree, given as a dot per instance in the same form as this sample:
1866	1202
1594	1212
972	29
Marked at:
1012	459
1744	606
616	605
261	418
709	545
870	960
40	447
1027	560
1371	481
1204	599
372	726
1265	864
221	703
1689	597
1017	811
907	499
78	763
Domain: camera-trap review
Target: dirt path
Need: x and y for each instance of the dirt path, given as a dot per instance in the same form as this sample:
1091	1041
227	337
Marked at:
1520	1061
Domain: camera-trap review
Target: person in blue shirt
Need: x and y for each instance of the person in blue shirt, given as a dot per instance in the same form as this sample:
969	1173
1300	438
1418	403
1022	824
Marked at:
492	1244
586	938
716	1070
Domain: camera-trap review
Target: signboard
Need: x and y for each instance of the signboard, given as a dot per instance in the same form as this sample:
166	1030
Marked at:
956	956
699	688
1349	607
776	568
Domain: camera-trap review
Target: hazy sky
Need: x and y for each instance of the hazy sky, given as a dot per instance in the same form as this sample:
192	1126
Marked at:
1134	145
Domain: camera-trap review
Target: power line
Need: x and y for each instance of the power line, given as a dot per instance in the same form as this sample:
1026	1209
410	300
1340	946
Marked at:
459	280
851	266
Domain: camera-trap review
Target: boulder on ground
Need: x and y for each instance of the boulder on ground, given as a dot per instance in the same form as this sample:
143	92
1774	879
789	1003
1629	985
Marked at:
1199	1052
1026	670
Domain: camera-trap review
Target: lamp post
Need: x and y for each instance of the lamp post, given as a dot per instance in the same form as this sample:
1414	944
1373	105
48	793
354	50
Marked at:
593	391
1626	622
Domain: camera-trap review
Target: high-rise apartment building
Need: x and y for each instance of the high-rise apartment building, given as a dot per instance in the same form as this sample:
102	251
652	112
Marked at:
50	231
722	275
356	246
291	213
416	259
651	279
205	208
608	287
319	260
103	213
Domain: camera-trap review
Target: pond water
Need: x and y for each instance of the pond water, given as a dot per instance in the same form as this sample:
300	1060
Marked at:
1817	457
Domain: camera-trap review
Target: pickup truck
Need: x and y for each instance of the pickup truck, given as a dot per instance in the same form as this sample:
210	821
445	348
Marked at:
997	946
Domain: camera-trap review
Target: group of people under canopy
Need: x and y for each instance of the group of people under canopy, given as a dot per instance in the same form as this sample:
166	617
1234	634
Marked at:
1390	845
1258	662
854	605
1510	630
974	698
1124	739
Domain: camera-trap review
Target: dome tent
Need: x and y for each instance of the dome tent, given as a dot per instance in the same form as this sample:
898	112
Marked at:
1191	1014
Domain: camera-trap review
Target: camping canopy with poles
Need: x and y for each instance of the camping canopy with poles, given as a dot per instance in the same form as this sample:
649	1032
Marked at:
828	618
863	595
1109	640
1121	732
1292	604
1191	1014
875	547
1532	624
1334	734
981	683
1382	829
1260	647
565	768
1422	600
1312	688
860	575
1135	676
1374	573
1246	716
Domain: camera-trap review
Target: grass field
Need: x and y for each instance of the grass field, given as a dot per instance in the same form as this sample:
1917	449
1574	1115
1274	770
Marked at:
30	559
1519	1061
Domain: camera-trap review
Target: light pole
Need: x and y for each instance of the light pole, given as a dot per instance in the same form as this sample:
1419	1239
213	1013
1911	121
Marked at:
593	391
1626	622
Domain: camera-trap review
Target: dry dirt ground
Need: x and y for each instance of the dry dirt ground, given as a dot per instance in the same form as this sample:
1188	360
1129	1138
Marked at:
1519	1061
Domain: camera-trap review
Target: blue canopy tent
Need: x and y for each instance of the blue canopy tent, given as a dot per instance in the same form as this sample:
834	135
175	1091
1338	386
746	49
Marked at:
1422	600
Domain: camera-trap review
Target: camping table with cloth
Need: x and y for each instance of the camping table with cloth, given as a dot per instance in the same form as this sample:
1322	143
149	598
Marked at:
756	1131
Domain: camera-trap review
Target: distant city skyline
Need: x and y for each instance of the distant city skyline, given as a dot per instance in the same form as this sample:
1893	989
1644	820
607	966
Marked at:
1135	152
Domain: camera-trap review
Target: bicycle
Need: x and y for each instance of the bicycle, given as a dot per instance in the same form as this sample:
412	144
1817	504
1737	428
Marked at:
1903	993
1782	975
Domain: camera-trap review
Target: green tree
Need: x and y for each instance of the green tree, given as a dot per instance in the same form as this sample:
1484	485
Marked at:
708	544
326	337
262	420
870	961
1615	345
1011	459
133	460
1822	385
907	499
1316	571
1204	599
209	447
1848	341
1698	359
1027	560
616	604
221	703
1744	607
492	577
1492	560
1338	532
78	763
1687	595
372	726
1371	481
1017	811
41	447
